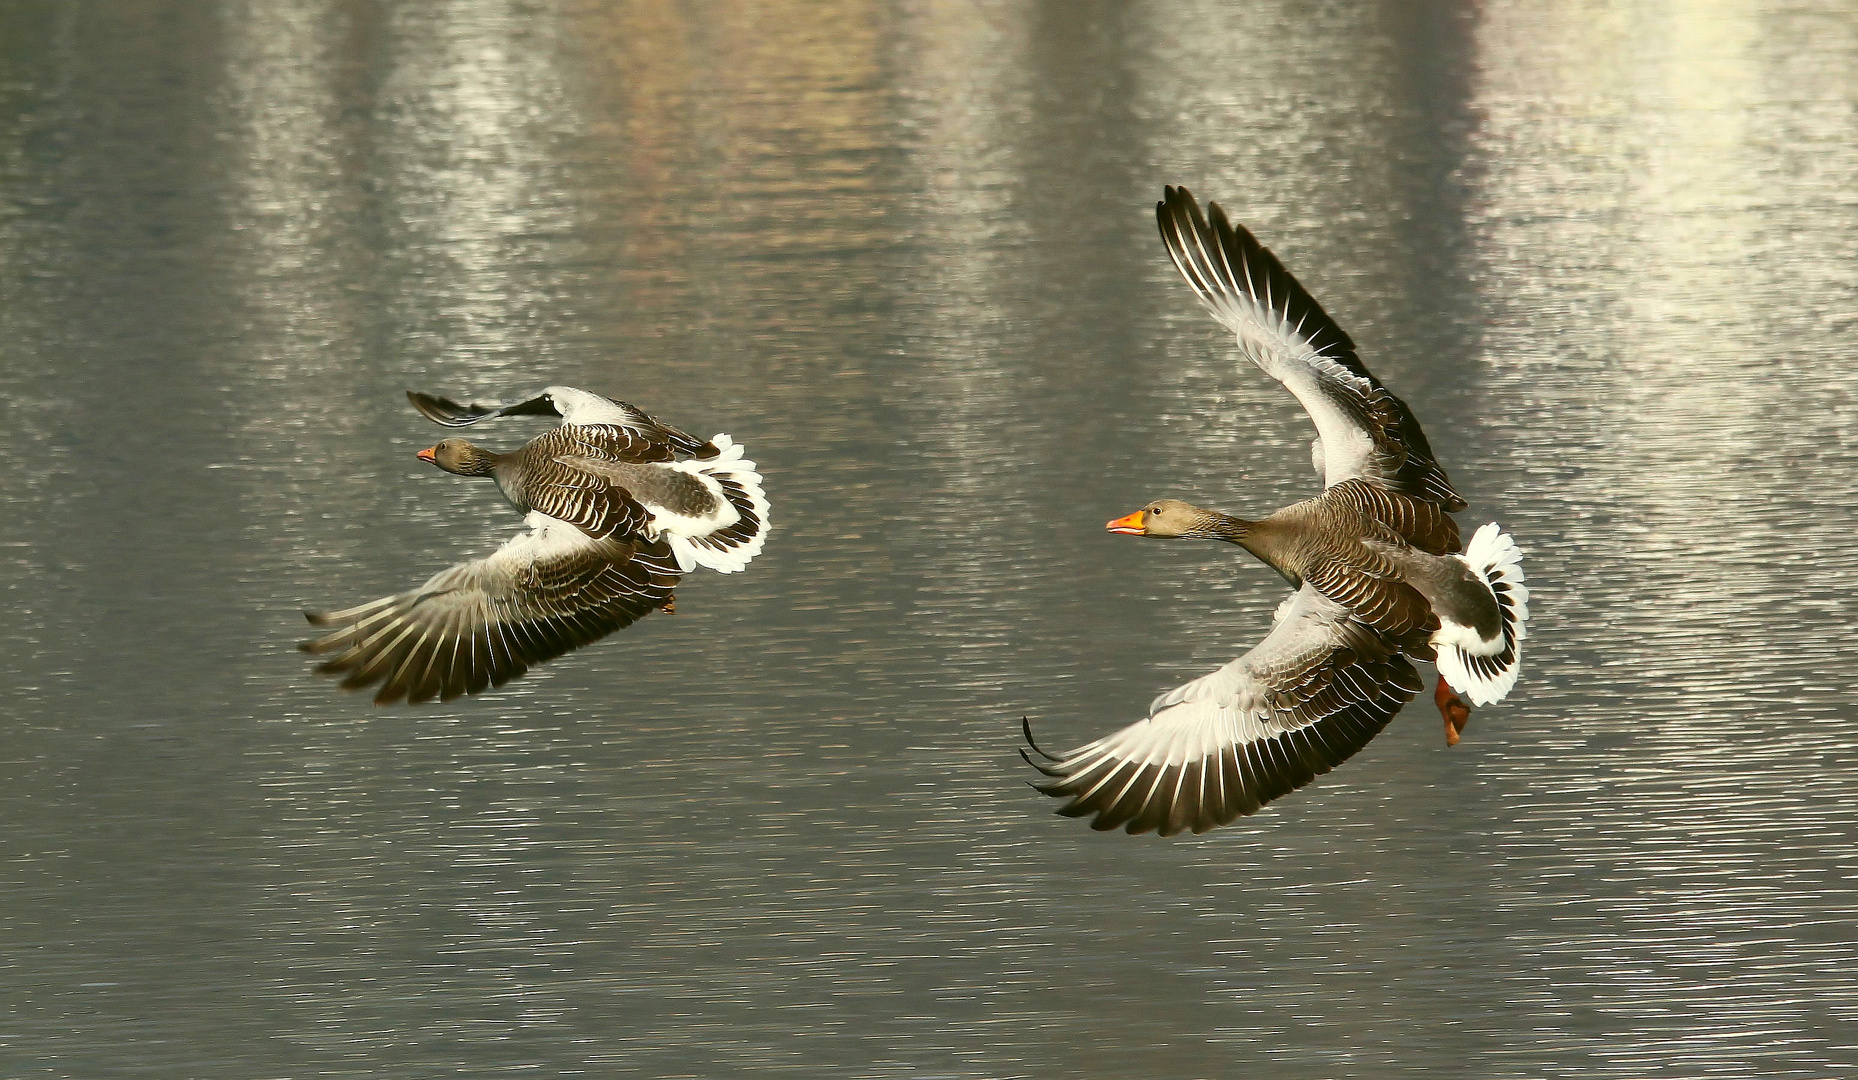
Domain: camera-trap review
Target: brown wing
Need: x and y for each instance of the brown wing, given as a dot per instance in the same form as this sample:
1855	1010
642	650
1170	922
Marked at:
590	502
480	624
1312	693
614	443
587	501
1368	583
1419	522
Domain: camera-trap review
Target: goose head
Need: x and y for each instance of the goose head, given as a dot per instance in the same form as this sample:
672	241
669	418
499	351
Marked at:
461	457
1170	518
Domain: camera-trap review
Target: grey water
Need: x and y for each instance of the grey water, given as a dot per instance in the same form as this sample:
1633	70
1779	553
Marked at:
904	251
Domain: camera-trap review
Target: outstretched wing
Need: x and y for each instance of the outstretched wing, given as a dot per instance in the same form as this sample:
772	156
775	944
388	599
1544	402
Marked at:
1364	430
572	406
480	624
1312	693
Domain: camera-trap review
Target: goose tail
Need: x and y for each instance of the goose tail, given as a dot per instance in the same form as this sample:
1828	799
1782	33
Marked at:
1484	669
731	547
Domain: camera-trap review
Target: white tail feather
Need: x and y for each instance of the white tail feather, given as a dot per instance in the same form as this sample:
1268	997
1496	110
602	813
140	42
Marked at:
727	546
1485	677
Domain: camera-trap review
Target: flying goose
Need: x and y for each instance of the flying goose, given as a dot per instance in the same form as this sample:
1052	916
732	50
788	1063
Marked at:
615	517
1380	578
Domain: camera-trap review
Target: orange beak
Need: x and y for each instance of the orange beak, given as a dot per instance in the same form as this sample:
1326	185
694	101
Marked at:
1128	525
429	455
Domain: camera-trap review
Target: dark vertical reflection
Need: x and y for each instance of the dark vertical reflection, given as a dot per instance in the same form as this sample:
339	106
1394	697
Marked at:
1429	140
1020	347
1030	157
123	778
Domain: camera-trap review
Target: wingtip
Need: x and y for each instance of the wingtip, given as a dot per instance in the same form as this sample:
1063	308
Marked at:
1174	206
444	411
1025	726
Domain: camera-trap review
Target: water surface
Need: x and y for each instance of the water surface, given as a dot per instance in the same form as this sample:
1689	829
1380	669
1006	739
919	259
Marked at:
905	253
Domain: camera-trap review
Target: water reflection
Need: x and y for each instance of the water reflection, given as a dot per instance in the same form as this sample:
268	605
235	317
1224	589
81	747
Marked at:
904	253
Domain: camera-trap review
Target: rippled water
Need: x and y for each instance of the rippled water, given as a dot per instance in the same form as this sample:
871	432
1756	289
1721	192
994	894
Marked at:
904	252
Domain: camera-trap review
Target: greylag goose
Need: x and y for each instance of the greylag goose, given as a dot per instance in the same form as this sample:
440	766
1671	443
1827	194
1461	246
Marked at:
1379	573
615	517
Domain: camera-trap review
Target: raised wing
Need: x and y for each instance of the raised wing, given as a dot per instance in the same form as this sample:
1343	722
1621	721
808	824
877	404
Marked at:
1312	693
1363	429
480	624
572	406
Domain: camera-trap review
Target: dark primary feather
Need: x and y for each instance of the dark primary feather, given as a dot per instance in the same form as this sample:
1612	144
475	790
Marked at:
443	410
1221	256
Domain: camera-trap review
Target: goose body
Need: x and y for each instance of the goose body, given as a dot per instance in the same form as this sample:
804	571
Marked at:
618	507
1380	574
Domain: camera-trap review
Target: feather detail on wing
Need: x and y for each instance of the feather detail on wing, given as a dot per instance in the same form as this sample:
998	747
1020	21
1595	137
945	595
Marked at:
578	491
1363	429
1422	524
1368	584
480	624
573	406
1311	694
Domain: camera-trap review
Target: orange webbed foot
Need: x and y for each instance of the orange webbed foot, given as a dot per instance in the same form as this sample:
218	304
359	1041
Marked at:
1454	709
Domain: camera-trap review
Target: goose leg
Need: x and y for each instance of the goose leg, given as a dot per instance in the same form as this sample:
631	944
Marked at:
1454	709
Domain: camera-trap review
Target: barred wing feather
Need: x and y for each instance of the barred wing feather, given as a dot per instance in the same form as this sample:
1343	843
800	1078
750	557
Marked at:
480	624
1311	694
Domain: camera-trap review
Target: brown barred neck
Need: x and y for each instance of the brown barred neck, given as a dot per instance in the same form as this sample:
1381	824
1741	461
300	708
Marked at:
463	458
1218	526
1169	518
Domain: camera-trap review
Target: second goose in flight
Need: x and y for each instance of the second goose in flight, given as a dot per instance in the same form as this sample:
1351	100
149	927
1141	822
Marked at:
1376	561
618	505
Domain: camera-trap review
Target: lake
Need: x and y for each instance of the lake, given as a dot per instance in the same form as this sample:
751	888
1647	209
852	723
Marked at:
906	253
